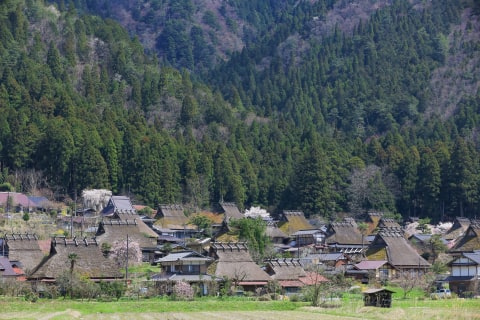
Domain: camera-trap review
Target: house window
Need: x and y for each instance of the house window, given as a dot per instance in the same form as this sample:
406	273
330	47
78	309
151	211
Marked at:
192	269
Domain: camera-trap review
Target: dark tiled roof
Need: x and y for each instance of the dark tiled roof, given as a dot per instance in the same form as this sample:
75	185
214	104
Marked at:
6	269
118	205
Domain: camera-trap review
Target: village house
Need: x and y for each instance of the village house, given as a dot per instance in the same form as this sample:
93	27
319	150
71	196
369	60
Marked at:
293	221
368	270
111	231
390	245
233	262
290	275
88	261
171	220
346	238
24	250
469	241
459	226
465	274
186	266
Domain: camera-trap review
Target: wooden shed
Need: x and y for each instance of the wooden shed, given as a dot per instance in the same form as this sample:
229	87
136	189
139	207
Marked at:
378	298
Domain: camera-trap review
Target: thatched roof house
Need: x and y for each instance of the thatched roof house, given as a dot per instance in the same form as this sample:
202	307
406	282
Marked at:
344	237
388	223
459	226
89	261
235	263
230	211
24	248
290	274
373	220
110	231
470	241
172	217
391	245
293	221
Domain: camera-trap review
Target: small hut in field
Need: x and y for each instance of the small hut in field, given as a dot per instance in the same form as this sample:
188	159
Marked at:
378	298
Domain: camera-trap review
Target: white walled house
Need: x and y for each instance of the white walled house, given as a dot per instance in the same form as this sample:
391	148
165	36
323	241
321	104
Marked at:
465	274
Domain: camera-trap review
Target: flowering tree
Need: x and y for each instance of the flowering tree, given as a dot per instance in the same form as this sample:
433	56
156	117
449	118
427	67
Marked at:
182	291
118	252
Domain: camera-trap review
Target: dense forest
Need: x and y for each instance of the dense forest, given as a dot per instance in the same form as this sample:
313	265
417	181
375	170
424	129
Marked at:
379	114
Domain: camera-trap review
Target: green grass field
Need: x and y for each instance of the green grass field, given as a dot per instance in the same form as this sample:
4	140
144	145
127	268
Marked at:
351	307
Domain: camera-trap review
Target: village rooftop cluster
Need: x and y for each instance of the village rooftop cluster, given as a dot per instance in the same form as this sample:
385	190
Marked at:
375	250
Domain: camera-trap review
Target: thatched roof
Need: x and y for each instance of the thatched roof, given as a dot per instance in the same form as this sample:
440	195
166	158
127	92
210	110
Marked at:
89	261
293	221
343	233
470	241
234	262
373	220
172	217
110	231
285	269
273	231
231	211
391	245
118	205
460	225
388	223
25	249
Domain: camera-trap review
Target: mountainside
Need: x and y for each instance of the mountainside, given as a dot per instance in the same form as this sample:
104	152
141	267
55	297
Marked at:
330	107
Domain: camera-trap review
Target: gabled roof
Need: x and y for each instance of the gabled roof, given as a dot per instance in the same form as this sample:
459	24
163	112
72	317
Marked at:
306	232
370	264
473	256
335	256
184	256
391	245
293	221
110	231
25	249
274	232
172	216
118	205
89	262
460	225
231	211
343	233
388	223
38	201
235	262
285	269
470	241
18	199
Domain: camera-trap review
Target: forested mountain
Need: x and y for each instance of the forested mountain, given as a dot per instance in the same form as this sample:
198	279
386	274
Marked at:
325	106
